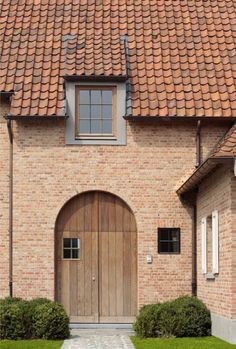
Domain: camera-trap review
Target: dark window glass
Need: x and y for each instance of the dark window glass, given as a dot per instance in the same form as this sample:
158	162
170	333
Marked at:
66	253
67	243
74	243
169	240
75	254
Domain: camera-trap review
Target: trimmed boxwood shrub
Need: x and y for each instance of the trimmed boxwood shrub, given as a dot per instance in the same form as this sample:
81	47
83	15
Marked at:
146	324
194	318
20	319
184	317
30	308
50	321
12	324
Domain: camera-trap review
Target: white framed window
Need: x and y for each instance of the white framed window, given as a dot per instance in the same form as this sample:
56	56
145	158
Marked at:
71	248
210	244
96	113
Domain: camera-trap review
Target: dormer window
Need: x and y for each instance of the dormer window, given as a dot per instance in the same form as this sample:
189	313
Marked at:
95	112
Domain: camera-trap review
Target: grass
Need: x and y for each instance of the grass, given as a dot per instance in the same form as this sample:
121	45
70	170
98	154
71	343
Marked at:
181	343
30	344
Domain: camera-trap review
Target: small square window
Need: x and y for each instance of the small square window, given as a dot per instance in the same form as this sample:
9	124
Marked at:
169	240
71	248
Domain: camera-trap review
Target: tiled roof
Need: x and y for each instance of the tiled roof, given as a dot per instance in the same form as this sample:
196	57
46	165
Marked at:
227	146
182	53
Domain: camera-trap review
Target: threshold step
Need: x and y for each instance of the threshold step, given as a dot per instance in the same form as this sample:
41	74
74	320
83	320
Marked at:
101	326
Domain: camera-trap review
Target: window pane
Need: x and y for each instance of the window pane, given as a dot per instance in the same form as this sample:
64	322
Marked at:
75	253
67	242
96	126
74	242
84	126
67	253
174	235
84	97
95	111
164	247
174	247
107	126
84	111
106	97
107	111
163	234
95	96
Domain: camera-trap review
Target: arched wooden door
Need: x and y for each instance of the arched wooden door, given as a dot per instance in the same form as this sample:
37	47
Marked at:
96	259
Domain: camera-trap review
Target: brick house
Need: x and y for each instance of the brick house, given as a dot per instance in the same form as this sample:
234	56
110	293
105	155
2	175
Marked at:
117	143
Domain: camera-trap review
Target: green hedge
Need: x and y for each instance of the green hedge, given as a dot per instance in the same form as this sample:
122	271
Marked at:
38	318
182	317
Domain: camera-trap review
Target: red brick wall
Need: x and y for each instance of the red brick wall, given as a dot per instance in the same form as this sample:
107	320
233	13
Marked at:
233	230
145	173
215	194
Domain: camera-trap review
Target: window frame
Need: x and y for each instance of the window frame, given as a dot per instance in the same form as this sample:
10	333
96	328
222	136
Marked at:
98	136
214	216
159	240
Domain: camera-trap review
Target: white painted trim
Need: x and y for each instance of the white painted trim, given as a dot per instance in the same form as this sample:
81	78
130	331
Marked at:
204	245
215	242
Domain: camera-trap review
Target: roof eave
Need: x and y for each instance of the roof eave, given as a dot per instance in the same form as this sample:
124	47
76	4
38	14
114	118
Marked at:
228	119
35	117
208	165
96	78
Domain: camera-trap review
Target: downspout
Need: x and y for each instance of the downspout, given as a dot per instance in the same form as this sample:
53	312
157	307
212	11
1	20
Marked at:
198	144
194	218
10	224
194	251
128	108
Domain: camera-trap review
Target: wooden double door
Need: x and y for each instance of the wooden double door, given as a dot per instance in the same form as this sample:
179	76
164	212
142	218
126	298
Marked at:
96	280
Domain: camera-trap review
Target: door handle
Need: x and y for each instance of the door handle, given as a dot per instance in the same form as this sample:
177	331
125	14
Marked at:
93	278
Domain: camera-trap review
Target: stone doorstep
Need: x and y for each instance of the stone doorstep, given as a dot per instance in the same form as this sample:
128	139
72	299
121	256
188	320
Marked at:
101	332
98	339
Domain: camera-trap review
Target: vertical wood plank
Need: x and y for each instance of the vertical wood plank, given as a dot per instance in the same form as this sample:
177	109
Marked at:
73	287
133	291
65	294
127	263
95	277
80	280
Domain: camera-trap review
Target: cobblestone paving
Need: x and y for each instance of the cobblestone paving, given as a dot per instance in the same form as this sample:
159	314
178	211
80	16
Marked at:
96	340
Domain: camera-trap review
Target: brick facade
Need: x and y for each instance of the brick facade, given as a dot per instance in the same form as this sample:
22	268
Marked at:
145	173
215	194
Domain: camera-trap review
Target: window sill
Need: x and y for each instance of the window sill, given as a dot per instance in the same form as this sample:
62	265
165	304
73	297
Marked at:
96	138
210	276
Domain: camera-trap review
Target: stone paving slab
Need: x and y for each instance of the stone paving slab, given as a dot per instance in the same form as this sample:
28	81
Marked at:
98	340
